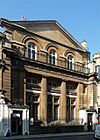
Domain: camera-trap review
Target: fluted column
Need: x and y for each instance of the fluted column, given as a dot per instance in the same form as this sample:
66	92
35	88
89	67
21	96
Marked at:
43	100
62	115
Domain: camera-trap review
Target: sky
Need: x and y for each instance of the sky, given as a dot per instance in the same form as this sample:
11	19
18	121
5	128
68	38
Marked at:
81	18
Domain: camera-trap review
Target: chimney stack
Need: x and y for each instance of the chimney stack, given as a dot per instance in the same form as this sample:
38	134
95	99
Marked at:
84	44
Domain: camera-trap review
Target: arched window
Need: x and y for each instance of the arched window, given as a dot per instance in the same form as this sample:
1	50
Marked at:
53	57
31	51
70	62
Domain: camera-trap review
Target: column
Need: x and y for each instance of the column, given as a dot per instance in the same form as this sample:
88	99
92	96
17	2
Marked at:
92	94
62	115
43	100
80	95
79	100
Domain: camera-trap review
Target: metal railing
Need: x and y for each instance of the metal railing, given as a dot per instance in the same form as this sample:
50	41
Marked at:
59	62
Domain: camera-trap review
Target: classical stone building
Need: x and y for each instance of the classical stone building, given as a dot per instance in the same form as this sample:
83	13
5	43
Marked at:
44	75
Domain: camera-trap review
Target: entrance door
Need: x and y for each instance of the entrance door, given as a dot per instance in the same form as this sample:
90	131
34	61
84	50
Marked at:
16	123
90	121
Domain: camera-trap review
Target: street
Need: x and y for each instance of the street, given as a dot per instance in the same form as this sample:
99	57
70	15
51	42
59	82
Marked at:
82	137
60	136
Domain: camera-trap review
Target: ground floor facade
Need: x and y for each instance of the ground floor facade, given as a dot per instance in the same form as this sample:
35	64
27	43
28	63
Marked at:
14	119
46	99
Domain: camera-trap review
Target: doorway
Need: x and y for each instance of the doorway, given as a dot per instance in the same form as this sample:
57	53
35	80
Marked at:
89	121
16	123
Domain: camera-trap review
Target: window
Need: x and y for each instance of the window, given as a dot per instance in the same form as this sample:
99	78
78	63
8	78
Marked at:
70	62
33	103
53	108
35	107
52	84
31	51
56	107
12	84
84	89
32	80
98	71
49	108
70	86
71	89
53	57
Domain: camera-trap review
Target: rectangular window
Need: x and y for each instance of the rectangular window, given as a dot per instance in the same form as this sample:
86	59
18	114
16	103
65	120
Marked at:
32	80
49	108
12	84
52	84
35	107
53	108
55	112
56	106
33	103
56	100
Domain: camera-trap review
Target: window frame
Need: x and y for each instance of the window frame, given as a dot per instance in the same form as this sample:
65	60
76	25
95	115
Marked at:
31	51
53	57
70	62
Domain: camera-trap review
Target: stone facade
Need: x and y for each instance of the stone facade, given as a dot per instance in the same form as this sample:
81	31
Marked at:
44	68
95	68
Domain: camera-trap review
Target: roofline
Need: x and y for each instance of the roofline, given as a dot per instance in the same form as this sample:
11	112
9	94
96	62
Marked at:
2	35
58	24
2	20
66	32
36	21
13	23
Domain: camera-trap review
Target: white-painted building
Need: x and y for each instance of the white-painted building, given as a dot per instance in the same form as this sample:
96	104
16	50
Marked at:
13	114
92	110
96	59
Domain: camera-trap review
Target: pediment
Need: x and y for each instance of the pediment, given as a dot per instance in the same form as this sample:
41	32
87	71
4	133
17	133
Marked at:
52	30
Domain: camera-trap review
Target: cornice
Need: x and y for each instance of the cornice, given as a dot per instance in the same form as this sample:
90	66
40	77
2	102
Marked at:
4	22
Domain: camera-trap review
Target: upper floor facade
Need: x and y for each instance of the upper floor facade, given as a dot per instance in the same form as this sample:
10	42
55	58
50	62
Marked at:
46	42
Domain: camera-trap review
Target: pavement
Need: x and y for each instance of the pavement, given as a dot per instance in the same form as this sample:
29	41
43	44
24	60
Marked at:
44	135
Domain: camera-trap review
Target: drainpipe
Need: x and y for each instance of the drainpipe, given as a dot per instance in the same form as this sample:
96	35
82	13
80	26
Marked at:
2	36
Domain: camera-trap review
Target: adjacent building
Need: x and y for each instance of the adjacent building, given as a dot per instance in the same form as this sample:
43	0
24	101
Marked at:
95	68
44	76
